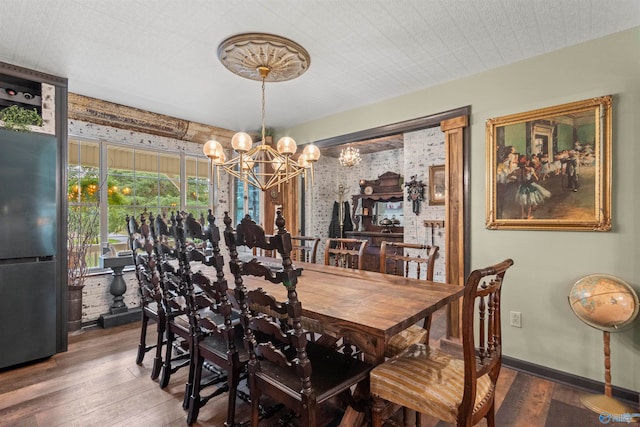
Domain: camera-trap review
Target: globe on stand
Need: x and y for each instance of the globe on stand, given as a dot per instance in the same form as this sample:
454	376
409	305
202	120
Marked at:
609	304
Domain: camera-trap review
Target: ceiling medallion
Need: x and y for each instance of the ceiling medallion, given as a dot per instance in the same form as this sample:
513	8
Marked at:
266	58
243	54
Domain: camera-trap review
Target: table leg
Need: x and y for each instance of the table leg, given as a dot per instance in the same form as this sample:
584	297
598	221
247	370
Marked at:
354	416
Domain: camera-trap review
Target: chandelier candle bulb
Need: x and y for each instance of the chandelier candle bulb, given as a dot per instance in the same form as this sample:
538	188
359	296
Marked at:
287	146
311	152
241	142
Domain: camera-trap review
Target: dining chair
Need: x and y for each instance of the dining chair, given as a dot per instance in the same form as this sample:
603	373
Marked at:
346	253
408	260
217	342
177	331
286	366
304	248
150	293
264	253
457	390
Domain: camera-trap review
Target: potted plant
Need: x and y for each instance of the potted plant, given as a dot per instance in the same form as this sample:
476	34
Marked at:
83	216
20	119
83	231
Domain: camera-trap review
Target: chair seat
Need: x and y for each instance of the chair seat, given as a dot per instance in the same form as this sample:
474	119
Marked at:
414	334
182	321
218	346
151	308
331	371
427	380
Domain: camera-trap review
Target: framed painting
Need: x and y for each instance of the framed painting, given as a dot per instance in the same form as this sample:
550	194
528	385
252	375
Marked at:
550	169
436	185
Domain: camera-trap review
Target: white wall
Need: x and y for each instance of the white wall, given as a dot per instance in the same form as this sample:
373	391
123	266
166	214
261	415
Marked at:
547	263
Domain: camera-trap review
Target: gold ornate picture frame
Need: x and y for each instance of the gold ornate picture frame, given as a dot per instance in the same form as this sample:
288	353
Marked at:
550	169
436	185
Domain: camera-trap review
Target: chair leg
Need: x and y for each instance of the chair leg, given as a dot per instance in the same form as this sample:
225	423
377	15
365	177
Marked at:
233	380
142	345
309	416
166	365
255	401
407	414
194	393
376	411
157	360
195	373
491	416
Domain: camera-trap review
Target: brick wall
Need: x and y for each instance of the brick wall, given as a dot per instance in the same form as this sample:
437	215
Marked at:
96	298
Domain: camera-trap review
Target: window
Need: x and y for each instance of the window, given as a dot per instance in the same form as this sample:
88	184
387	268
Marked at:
253	205
83	214
197	194
139	181
134	181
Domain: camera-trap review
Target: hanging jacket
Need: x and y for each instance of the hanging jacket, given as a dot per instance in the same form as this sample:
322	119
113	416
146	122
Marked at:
347	224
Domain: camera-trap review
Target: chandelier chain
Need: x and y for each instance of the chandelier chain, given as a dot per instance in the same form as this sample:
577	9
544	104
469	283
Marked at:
263	109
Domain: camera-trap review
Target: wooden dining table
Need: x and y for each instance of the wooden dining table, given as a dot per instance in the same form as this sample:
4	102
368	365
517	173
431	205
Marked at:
362	307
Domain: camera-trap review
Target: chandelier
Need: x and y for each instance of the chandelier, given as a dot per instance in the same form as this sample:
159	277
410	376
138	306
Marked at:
263	57
349	156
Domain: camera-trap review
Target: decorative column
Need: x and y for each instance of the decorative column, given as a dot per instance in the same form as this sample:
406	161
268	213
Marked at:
454	215
118	314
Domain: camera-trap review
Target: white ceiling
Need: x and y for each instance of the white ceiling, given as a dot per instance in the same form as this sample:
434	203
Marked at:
160	55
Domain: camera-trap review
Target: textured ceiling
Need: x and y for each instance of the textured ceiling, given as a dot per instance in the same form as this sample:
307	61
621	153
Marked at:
160	55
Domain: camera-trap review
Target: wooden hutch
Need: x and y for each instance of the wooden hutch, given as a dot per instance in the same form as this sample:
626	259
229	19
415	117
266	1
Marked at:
367	216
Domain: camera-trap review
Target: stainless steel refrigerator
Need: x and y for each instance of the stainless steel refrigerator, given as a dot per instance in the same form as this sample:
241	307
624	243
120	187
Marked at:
28	242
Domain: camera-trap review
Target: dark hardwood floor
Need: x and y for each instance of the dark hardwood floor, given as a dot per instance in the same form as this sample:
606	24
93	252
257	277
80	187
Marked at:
97	383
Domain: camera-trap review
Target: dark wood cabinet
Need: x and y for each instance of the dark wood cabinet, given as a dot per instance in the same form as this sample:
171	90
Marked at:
387	188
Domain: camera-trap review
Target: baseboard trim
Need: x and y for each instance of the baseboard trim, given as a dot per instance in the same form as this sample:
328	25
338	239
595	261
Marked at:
587	384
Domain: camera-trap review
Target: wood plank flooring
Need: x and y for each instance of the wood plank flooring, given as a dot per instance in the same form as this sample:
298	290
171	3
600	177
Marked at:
97	383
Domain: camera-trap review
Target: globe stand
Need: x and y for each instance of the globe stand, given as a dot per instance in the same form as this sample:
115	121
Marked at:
609	304
605	403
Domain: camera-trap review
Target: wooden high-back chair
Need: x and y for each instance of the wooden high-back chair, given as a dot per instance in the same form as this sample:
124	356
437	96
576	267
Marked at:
285	366
456	390
304	248
408	260
264	253
346	253
141	245
215	332
176	326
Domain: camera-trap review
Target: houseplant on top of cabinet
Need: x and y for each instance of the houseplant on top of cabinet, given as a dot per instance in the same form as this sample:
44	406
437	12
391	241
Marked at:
20	119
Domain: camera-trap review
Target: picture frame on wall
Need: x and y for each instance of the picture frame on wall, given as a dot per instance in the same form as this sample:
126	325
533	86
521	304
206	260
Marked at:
436	185
550	169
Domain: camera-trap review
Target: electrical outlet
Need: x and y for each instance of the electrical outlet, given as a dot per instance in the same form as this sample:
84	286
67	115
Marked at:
515	319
